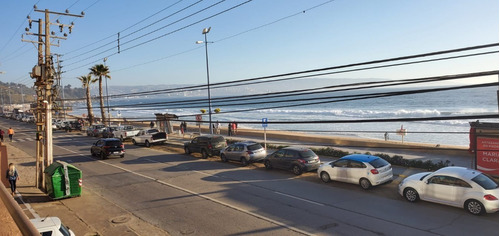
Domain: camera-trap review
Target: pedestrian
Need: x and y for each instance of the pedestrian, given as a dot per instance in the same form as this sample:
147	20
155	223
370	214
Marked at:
152	124
229	131
10	132
181	127
185	126
233	128
1	135
217	125
386	136
12	176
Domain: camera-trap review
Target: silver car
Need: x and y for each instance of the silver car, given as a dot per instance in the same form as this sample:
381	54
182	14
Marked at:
245	152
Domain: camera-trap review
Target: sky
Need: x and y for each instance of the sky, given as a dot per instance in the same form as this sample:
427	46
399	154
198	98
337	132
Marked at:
249	38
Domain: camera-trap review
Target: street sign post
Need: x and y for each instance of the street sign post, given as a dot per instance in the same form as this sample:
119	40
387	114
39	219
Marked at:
199	118
264	124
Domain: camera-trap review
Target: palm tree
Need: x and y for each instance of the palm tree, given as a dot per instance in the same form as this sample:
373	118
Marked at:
86	81
100	71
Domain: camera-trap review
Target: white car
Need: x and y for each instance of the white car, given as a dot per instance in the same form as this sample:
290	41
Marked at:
365	170
51	226
454	186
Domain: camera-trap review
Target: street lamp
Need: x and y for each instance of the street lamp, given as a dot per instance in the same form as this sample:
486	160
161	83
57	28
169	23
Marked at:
107	96
205	32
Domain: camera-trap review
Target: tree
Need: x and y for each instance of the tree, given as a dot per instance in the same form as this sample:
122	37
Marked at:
86	81
101	71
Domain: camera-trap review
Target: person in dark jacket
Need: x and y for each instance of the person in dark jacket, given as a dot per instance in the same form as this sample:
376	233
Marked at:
12	176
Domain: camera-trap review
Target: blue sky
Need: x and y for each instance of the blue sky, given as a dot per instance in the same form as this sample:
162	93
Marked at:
335	33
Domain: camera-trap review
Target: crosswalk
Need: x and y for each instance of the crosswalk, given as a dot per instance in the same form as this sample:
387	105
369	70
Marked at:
32	139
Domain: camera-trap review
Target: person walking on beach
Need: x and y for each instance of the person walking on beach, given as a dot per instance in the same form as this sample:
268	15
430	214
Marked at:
12	176
386	136
181	127
10	132
1	135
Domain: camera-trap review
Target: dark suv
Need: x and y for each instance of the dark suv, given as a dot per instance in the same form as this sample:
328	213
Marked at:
207	145
106	147
296	159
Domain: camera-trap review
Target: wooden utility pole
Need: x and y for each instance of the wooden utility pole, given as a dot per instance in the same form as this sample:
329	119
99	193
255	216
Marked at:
43	72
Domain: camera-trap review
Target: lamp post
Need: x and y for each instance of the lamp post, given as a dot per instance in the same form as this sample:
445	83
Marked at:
107	96
205	32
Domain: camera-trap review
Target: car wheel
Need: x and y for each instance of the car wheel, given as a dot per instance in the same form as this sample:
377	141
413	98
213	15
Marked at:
365	183
244	161
411	194
474	207
134	142
204	154
103	155
325	177
186	150
223	158
267	164
147	143
296	170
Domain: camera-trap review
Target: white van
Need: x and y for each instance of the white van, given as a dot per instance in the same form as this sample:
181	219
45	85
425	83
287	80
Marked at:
51	226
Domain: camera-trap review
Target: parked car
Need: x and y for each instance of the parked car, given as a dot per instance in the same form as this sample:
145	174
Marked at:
454	186
207	145
125	132
106	147
51	226
108	132
95	130
245	152
149	137
365	170
296	159
72	125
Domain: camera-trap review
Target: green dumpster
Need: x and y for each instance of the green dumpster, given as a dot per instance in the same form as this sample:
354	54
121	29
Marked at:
63	180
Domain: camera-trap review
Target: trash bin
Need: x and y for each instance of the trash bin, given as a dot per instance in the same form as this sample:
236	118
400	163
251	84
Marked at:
63	180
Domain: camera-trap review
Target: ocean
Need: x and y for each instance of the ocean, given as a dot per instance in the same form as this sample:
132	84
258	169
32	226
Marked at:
464	102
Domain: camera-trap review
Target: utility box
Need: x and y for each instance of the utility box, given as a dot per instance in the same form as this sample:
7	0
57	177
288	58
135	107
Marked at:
63	180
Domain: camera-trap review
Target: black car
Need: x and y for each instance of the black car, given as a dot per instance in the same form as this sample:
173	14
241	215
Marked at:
73	125
207	145
106	147
296	159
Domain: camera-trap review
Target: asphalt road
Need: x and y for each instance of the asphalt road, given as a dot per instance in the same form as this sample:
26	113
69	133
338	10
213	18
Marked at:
186	195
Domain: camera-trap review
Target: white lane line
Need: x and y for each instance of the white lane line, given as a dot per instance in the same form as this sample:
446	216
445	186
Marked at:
298	198
203	196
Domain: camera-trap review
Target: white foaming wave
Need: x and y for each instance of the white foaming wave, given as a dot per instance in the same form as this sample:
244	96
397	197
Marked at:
357	112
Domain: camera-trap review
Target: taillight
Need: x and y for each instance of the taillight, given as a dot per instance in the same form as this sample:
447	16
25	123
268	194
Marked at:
249	152
122	146
302	161
374	171
490	197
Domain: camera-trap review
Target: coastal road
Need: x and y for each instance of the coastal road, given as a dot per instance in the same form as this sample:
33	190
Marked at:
185	195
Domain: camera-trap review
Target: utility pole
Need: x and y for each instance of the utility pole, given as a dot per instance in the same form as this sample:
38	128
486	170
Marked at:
44	75
59	82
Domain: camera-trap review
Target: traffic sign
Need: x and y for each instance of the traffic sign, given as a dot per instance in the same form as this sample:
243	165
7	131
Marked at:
199	118
264	122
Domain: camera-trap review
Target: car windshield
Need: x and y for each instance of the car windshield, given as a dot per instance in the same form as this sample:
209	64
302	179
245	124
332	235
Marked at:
254	147
307	154
64	230
485	182
379	162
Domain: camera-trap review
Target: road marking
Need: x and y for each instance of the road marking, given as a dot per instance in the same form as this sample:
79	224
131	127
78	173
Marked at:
199	194
298	198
